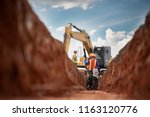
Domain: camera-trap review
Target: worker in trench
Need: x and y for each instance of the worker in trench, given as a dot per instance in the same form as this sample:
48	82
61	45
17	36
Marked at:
74	57
92	68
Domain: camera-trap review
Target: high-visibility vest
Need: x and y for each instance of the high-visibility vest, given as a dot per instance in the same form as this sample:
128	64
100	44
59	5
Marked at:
92	64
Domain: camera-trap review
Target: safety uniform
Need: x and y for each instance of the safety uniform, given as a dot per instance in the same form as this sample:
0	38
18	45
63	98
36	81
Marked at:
92	81
92	64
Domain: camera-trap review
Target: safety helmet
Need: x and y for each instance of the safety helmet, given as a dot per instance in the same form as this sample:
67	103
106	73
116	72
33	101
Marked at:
75	51
92	55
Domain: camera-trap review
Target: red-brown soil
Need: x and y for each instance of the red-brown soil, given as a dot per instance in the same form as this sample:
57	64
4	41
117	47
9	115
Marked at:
32	62
92	95
129	72
81	95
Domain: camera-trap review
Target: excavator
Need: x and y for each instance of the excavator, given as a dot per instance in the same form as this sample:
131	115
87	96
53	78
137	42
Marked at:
82	36
103	54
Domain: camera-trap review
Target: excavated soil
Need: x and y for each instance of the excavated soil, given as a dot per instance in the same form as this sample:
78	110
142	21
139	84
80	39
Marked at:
129	72
32	62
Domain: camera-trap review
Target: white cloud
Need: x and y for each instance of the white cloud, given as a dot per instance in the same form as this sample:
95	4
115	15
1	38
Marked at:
92	32
60	29
65	5
114	37
68	4
116	40
43	9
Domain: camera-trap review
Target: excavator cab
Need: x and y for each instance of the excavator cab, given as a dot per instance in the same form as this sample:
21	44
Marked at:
103	55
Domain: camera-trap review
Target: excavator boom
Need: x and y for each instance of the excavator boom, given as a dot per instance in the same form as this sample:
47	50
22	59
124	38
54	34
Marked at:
80	36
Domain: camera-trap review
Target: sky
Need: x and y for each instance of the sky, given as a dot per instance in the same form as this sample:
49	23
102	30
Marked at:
108	22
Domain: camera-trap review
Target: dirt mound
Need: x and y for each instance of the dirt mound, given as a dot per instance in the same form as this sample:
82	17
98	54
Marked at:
32	62
129	72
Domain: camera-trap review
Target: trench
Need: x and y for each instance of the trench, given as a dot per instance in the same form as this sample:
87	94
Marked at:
34	64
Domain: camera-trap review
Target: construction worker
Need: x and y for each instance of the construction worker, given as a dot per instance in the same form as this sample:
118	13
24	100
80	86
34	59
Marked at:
91	64
93	71
74	57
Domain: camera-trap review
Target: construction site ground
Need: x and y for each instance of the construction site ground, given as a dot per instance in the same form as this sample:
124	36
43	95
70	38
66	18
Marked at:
83	95
89	95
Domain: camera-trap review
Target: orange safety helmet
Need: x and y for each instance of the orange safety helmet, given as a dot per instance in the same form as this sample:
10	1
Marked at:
92	55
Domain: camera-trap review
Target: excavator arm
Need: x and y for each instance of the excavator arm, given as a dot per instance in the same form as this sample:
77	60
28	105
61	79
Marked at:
80	36
84	38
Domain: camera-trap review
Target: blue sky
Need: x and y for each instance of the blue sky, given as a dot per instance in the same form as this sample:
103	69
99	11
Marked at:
108	22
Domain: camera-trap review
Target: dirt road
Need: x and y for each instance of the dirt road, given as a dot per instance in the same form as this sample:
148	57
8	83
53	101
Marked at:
89	95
